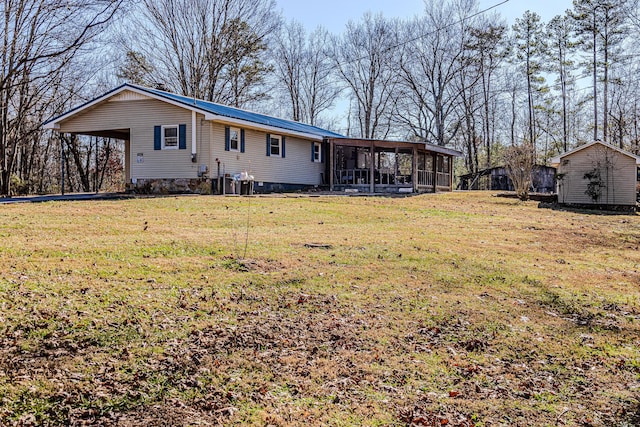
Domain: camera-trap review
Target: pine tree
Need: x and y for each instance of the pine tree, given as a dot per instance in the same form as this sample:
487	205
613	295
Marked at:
600	29
560	49
531	48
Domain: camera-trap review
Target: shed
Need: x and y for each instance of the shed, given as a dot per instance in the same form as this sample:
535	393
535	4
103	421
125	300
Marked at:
597	173
543	179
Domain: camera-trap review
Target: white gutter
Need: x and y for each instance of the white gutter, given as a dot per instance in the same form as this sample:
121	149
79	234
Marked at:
193	134
259	126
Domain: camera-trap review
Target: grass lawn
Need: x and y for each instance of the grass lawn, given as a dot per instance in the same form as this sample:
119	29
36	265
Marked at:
457	309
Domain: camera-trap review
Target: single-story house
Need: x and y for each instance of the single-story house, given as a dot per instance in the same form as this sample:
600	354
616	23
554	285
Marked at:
174	143
543	179
597	174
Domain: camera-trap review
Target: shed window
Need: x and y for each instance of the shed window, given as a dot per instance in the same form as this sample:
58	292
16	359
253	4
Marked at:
274	145
170	137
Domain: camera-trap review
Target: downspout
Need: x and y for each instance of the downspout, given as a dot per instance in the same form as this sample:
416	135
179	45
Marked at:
194	157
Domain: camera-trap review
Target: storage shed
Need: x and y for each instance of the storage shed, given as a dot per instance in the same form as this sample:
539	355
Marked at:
597	174
543	180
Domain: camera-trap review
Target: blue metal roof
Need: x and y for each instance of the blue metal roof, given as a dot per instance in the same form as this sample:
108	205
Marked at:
236	113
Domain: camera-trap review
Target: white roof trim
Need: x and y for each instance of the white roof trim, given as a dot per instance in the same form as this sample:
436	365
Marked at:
55	123
556	160
252	125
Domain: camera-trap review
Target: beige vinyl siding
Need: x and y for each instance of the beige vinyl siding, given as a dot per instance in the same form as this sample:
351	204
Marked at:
140	117
619	177
295	168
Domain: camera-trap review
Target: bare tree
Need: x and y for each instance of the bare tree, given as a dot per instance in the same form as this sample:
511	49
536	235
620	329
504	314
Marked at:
289	58
519	161
209	49
40	39
363	57
305	71
319	86
430	64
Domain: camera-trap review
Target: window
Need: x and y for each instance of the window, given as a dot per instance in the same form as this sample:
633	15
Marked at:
274	145
317	152
234	139
169	137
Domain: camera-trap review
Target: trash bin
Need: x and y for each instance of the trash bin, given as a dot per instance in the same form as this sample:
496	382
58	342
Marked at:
246	187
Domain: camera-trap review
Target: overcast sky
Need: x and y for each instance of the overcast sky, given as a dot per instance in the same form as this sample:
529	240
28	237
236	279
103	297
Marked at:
334	14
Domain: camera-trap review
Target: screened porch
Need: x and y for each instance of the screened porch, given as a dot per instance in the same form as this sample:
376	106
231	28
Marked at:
389	167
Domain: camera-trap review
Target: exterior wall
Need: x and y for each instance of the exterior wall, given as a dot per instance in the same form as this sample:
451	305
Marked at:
618	173
295	168
140	117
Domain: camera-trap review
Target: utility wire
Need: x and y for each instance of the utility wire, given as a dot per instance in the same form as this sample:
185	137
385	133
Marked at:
423	35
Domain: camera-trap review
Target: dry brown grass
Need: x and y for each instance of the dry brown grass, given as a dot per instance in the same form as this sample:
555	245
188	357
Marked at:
451	309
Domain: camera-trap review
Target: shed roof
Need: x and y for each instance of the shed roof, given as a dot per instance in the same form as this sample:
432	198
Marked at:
211	110
555	161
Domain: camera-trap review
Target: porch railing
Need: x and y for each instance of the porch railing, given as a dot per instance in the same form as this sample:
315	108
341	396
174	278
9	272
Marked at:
351	176
361	177
425	178
442	179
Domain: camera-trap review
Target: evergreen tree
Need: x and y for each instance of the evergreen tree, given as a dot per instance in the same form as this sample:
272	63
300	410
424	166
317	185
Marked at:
600	29
560	51
531	49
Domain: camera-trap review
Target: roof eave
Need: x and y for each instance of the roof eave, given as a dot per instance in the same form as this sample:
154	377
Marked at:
443	150
558	159
247	123
54	123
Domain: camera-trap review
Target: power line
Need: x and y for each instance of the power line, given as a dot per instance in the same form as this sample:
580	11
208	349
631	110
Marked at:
422	35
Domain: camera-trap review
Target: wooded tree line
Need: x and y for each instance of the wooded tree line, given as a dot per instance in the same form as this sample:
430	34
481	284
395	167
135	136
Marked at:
454	75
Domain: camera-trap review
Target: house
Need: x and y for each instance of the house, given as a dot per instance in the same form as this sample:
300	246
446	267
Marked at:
597	174
543	179
174	143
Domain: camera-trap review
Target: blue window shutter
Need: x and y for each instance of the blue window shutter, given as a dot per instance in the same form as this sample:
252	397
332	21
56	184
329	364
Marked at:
157	135
282	146
313	151
182	137
242	140
268	144
227	135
